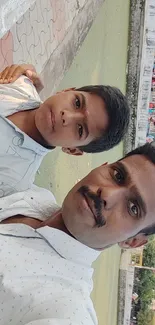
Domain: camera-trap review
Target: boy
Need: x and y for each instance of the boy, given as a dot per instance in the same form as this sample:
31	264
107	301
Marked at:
89	119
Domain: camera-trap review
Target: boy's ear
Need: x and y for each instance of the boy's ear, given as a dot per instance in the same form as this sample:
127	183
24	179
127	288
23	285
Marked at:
69	89
106	163
73	151
134	242
65	90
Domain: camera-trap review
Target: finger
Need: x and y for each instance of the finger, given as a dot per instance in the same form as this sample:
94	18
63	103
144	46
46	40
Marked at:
12	73
16	74
34	77
8	71
3	73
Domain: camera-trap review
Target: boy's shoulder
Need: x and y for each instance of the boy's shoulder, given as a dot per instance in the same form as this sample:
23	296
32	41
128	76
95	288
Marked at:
19	95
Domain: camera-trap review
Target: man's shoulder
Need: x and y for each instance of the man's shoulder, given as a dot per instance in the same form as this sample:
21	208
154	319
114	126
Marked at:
17	96
41	200
41	193
35	202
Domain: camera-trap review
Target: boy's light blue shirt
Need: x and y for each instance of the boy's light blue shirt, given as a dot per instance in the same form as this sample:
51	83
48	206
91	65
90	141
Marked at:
20	155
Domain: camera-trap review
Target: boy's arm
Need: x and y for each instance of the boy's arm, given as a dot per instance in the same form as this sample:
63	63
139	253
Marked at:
13	72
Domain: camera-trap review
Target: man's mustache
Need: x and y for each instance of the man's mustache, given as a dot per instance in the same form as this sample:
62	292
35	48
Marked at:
98	204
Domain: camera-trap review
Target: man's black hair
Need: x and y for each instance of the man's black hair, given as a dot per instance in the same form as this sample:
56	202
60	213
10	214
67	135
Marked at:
118	112
147	150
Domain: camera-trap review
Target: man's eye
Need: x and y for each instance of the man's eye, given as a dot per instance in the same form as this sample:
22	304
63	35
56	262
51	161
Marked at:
77	102
118	176
80	130
133	209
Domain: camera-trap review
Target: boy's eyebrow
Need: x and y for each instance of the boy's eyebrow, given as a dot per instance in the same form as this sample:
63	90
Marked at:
85	124
83	100
86	130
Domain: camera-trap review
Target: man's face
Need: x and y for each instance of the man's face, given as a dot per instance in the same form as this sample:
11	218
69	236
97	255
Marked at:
71	119
113	203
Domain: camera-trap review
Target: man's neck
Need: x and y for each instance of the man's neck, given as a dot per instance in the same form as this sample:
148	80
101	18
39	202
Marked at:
34	223
54	221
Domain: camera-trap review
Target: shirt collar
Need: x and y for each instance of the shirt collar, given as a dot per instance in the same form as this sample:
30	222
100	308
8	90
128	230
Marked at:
26	142
68	247
65	245
29	143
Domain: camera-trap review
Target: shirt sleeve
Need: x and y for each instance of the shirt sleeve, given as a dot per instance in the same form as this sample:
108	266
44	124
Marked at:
36	202
77	313
53	322
17	96
41	201
56	321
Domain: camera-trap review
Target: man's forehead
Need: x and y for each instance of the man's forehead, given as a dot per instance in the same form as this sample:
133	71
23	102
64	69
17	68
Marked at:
137	160
140	169
142	172
141	179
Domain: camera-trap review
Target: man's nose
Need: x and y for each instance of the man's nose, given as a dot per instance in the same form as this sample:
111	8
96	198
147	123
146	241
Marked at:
112	196
71	117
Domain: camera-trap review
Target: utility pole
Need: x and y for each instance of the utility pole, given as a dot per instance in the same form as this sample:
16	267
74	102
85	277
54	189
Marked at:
145	268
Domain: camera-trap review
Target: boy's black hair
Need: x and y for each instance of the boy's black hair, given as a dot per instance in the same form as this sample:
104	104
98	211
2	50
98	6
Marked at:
118	112
147	150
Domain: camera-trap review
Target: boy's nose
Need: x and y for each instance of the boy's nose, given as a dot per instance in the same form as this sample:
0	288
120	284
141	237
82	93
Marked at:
71	117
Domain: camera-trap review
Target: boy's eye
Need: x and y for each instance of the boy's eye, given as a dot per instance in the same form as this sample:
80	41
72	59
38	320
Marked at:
77	102
118	176
80	130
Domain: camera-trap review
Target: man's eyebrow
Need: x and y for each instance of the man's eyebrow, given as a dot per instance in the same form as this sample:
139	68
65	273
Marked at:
124	171
135	192
139	199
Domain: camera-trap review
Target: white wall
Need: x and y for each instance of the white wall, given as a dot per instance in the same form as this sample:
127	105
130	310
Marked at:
11	11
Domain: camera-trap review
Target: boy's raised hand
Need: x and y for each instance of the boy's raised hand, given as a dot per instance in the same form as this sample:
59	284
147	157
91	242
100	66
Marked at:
13	72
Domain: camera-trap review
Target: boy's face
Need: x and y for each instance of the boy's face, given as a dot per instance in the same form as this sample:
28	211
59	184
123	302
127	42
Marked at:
71	119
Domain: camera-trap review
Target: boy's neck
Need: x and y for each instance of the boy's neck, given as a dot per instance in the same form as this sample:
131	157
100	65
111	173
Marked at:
25	121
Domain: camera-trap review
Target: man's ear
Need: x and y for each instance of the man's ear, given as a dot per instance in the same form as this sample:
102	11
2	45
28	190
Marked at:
134	242
73	151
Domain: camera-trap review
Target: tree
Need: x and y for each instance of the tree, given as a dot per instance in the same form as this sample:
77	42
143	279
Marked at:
145	317
149	254
144	286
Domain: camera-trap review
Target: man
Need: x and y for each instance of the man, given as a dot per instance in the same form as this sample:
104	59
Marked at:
46	275
89	119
